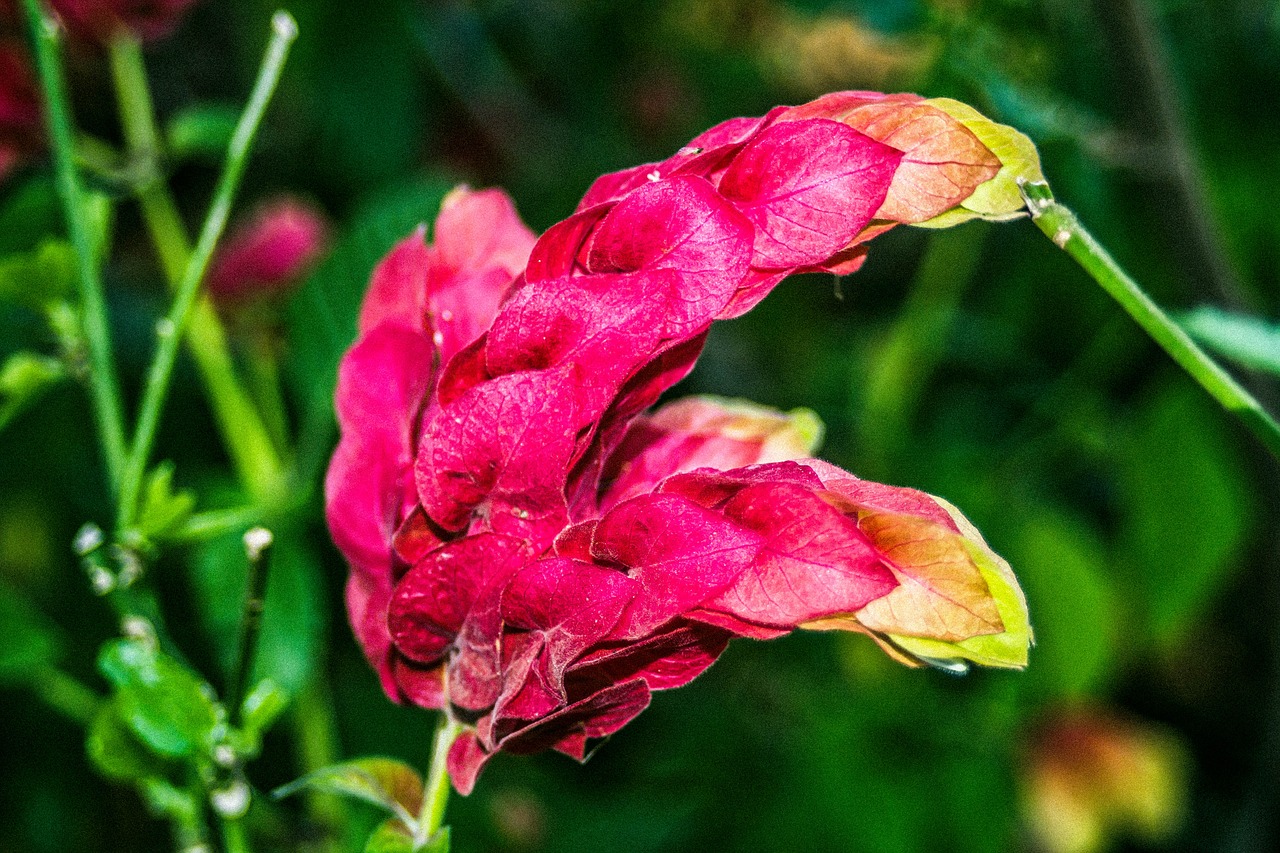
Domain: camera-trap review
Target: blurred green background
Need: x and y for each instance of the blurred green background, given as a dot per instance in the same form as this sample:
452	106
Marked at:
978	364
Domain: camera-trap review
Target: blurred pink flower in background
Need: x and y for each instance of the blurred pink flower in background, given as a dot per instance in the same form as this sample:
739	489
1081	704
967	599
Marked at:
20	121
268	252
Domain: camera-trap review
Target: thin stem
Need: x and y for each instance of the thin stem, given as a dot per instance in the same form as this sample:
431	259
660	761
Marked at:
257	546
243	430
104	388
284	31
317	746
1060	225
234	837
435	794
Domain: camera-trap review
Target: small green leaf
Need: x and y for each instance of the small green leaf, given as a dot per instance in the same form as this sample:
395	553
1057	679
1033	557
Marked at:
261	708
99	213
31	213
384	782
163	509
1251	341
438	843
166	705
39	278
30	642
165	800
24	378
391	836
203	130
116	752
999	197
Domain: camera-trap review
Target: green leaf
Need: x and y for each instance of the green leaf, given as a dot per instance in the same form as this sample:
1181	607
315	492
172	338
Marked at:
166	705
163	509
291	642
261	708
1186	513
1066	572
1251	341
999	197
24	377
384	782
39	278
29	215
116	752
30	642
391	836
203	131
438	843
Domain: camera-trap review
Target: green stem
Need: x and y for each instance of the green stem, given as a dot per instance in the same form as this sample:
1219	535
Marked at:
435	794
263	370
1060	225
285	30
316	738
234	837
243	430
66	695
104	389
257	546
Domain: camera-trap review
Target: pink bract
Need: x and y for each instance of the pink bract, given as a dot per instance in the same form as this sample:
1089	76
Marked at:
533	553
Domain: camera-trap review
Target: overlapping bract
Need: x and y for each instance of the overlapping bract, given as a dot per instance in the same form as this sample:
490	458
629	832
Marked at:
529	549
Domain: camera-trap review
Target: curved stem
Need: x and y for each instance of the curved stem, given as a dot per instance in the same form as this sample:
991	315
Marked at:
1060	225
285	30
435	794
244	433
104	388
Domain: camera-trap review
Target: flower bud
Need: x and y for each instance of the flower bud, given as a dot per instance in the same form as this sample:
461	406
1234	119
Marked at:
268	252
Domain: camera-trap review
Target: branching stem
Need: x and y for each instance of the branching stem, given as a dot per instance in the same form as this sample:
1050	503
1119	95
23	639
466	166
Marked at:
170	329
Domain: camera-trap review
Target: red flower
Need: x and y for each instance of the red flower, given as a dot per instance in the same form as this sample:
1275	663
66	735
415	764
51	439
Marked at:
20	118
532	553
268	252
